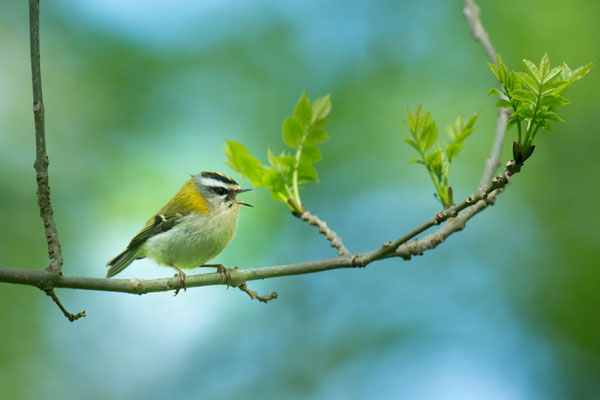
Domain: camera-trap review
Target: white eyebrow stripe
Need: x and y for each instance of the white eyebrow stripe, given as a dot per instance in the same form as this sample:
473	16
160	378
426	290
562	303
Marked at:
214	183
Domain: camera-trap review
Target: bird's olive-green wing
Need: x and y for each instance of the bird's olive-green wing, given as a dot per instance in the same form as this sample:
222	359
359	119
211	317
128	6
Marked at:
163	221
159	224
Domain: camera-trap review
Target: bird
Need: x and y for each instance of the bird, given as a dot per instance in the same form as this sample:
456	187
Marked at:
191	229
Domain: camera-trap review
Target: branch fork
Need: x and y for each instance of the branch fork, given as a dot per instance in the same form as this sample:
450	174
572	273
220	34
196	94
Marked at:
453	219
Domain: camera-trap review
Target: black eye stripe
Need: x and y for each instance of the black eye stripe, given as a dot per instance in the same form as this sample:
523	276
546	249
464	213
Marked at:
219	177
220	190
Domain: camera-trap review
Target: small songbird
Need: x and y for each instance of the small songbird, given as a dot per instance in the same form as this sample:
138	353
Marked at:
191	229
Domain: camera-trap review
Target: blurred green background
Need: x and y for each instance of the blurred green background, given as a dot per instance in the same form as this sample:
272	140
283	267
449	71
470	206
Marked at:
140	94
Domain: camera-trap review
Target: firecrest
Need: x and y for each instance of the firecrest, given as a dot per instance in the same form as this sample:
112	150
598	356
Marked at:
191	229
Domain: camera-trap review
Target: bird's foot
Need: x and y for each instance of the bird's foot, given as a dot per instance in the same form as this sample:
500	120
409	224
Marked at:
181	284
225	274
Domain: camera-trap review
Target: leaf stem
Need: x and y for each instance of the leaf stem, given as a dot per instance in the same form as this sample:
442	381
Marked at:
531	124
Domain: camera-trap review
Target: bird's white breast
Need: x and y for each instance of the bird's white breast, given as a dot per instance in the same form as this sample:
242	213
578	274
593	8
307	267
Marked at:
198	238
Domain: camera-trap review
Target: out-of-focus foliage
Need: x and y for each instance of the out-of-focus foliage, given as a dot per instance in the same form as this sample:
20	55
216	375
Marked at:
139	94
437	160
301	131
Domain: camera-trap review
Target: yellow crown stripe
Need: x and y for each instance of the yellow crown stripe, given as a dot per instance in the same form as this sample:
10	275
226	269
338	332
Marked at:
190	198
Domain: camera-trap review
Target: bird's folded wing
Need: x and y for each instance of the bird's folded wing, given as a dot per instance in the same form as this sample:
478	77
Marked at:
159	224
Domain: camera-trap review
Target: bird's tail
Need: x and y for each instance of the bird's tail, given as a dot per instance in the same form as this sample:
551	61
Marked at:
120	262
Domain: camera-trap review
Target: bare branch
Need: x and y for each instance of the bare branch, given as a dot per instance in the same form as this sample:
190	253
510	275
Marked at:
493	161
330	235
482	193
454	216
41	160
70	317
471	12
474	203
253	295
431	241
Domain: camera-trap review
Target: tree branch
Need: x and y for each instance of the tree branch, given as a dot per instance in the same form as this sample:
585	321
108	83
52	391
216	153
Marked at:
477	201
68	315
493	161
455	217
253	295
330	235
471	12
41	160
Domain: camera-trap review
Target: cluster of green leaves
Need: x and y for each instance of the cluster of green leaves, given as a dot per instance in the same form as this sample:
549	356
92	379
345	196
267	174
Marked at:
534	97
437	158
301	131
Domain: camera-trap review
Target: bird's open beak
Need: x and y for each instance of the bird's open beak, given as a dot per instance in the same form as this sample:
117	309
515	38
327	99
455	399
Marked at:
242	191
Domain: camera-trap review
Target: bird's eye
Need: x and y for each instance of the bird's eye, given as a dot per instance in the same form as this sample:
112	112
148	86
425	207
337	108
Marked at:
219	190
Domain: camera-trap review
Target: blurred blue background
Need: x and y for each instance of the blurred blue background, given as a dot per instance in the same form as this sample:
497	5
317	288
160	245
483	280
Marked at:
140	94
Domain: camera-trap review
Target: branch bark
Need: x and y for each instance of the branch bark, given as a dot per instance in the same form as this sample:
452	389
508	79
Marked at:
330	235
41	160
455	217
238	277
472	12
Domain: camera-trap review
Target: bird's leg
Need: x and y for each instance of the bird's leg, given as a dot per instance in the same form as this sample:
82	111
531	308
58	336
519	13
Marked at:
181	275
221	270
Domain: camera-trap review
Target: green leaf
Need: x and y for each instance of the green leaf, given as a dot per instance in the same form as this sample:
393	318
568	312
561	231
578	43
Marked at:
462	128
551	115
495	91
416	161
512	121
272	157
420	120
524	95
413	144
452	150
273	180
307	173
310	154
554	87
303	111
316	136
544	67
286	161
581	72
528	82
430	134
503	103
292	132
552	74
495	71
241	160
321	107
433	157
533	70
437	166
553	101
412	121
501	72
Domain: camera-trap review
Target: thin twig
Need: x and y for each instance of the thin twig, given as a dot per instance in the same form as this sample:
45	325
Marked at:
330	235
493	161
471	12
70	317
455	217
431	241
497	183
41	160
44	279
253	295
